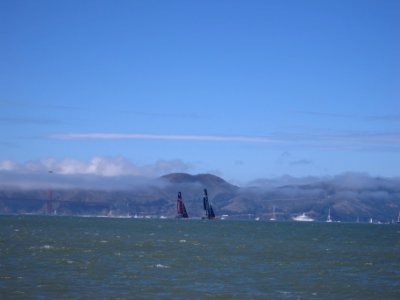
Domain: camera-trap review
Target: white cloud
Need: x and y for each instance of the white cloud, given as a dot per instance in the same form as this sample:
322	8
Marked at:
7	165
98	165
348	140
172	137
97	173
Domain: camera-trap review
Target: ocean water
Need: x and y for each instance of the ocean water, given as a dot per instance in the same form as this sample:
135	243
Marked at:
91	258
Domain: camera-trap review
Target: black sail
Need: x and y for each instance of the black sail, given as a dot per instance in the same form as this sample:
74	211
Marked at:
207	206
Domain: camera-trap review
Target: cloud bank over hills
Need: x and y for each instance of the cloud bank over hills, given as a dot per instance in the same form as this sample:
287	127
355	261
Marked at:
97	173
102	184
118	172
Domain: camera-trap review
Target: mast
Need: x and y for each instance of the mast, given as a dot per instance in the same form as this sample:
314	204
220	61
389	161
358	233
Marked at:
180	207
329	219
48	208
207	206
273	218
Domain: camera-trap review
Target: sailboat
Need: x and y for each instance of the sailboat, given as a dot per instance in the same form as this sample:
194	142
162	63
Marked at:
398	218
329	219
208	207
273	218
180	208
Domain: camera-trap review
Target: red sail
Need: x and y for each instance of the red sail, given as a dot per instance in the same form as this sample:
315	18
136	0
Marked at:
180	207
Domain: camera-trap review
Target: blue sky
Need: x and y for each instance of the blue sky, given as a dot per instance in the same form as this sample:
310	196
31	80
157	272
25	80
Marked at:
242	89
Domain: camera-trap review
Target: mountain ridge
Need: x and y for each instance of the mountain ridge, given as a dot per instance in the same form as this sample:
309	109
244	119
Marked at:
349	198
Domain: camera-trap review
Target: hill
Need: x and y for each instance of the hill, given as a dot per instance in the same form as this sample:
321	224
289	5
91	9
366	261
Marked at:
349	196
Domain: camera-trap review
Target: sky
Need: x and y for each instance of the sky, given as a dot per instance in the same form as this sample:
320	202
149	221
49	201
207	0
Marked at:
241	89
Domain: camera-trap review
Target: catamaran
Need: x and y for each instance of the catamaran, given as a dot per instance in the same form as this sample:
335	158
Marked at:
208	207
180	208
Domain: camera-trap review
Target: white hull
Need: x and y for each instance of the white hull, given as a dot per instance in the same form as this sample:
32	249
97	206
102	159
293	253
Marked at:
303	218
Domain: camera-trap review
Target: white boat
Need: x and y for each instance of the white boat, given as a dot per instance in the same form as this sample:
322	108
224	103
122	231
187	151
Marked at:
273	218
302	218
329	219
223	217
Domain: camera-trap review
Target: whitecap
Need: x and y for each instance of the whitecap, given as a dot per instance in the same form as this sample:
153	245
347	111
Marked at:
285	292
47	247
182	241
162	266
19	292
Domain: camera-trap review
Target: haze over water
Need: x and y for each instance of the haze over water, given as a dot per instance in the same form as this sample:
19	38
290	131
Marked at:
72	257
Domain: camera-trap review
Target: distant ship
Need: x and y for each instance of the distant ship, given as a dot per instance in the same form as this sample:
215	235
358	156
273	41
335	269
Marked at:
303	218
208	207
329	219
180	208
273	218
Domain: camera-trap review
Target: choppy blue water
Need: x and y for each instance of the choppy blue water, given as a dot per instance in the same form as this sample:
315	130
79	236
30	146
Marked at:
71	257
